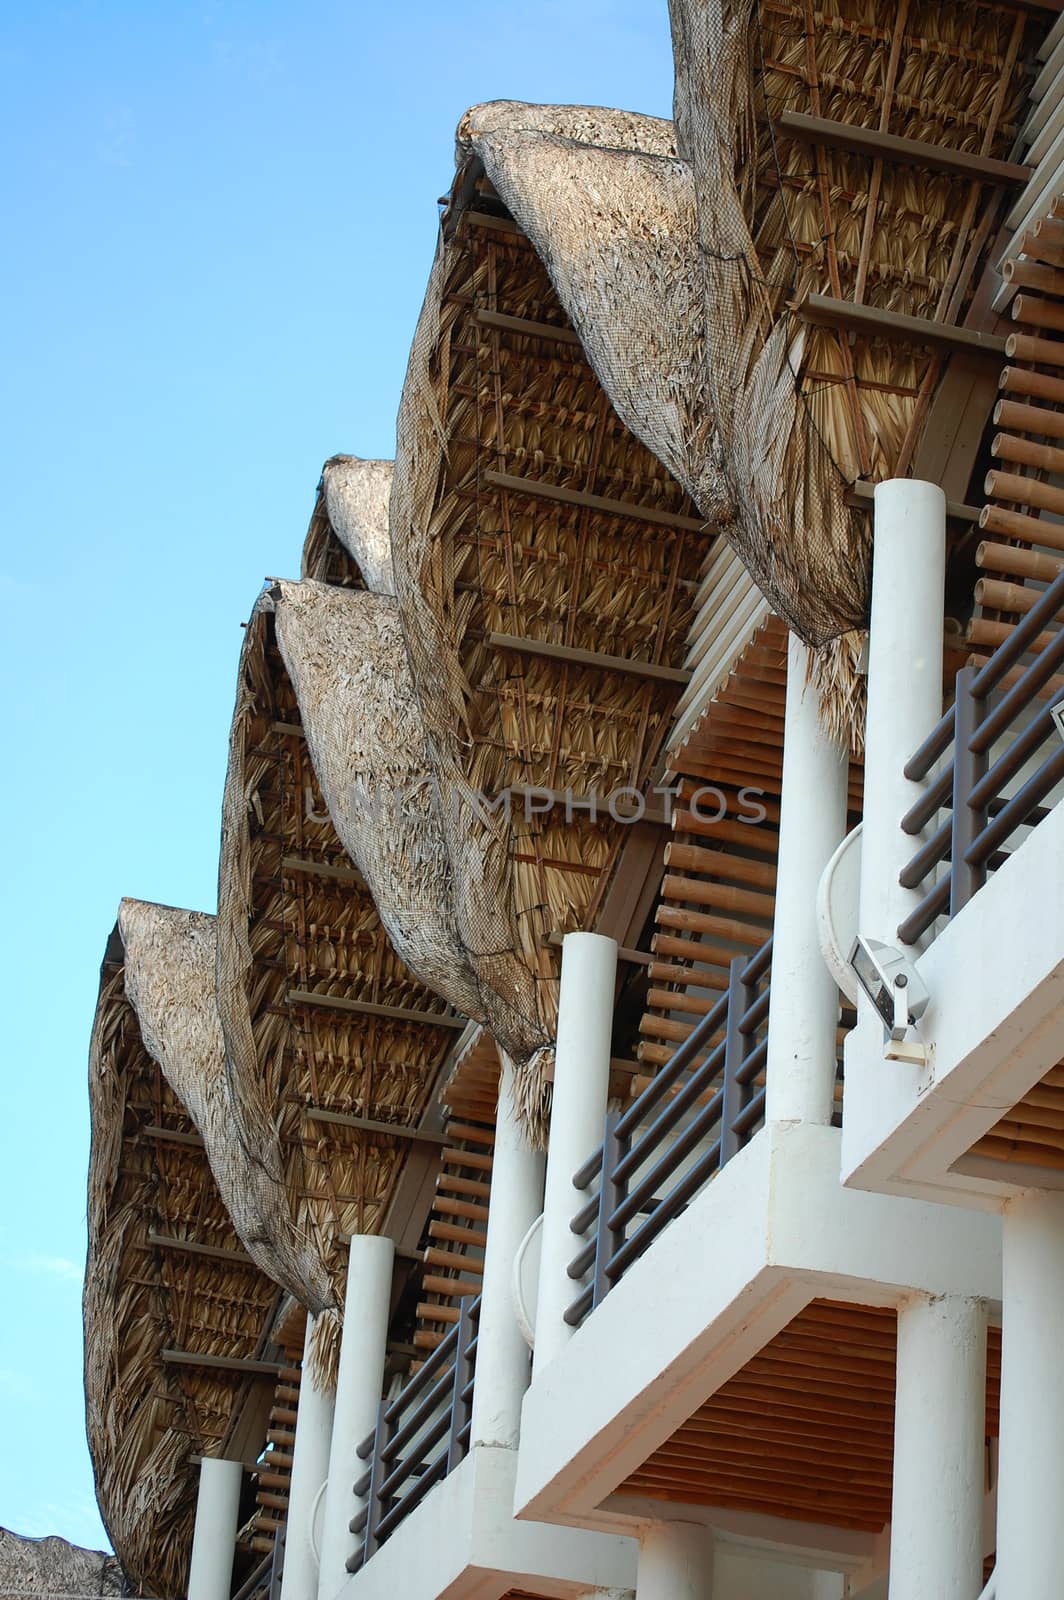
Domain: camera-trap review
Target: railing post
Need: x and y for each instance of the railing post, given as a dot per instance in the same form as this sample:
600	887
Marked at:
968	767
377	1473
734	1055
461	1406
611	1193
277	1563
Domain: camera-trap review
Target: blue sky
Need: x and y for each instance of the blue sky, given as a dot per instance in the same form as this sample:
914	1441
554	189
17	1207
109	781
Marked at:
219	223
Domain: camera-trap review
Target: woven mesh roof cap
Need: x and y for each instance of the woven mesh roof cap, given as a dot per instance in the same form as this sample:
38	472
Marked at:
170	958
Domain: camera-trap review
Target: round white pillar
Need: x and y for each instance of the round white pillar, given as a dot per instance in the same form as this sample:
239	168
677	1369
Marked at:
675	1562
905	642
502	1367
359	1384
310	1467
804	998
1030	1503
210	1573
581	1087
939	1450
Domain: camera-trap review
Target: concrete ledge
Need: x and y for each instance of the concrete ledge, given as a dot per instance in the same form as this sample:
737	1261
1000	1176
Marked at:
772	1232
462	1543
994	1027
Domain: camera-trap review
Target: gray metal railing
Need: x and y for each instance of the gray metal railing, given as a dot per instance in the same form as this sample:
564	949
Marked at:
420	1436
701	1108
973	785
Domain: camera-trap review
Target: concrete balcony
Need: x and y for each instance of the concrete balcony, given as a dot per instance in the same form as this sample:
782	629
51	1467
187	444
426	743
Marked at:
718	1369
962	868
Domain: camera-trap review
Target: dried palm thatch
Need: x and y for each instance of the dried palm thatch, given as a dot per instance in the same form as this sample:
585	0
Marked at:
346	659
685	277
148	1290
802	411
170	962
347	542
328	1034
52	1567
544	563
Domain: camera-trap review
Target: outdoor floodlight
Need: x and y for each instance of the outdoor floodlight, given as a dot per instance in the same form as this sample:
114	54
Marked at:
897	991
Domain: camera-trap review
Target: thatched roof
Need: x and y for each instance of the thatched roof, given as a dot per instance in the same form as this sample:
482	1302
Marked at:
802	411
328	1033
148	1290
347	541
52	1567
515	595
684	267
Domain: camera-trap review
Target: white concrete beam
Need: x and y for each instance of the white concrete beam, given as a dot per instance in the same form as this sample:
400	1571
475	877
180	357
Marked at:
994	1027
681	1323
462	1543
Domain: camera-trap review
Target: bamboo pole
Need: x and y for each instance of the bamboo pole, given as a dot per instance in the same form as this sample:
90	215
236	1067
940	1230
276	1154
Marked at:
1033	275
1028	452
1016	525
1025	347
695	858
981	630
1005	596
1024	491
1017	563
1037	313
1029	419
1040	385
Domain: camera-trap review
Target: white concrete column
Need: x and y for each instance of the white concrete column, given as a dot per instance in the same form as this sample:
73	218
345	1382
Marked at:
210	1572
310	1467
904	686
581	1086
1030	1503
502	1368
675	1562
804	998
939	1450
359	1385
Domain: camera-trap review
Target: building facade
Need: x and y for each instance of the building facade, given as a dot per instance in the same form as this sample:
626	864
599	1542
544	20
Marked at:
610	1141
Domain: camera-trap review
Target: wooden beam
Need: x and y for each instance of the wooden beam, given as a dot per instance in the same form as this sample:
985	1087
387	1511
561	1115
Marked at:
171	1135
593	502
323	869
862	494
192	1247
908	152
582	802
484	219
525	325
366	1008
587	658
828	312
397	1130
635	958
288	727
193	1358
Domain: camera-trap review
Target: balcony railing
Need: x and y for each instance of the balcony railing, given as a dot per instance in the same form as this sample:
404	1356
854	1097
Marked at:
264	1582
703	1106
421	1436
1006	761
